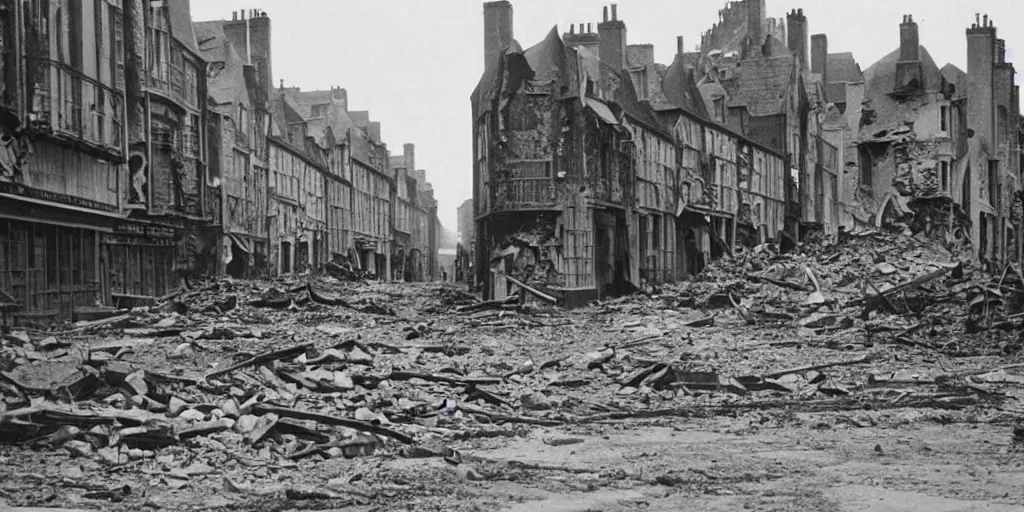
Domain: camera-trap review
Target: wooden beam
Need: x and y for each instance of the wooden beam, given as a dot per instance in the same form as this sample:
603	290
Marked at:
535	292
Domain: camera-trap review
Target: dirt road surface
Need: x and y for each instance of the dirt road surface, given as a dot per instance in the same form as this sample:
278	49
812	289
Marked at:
618	406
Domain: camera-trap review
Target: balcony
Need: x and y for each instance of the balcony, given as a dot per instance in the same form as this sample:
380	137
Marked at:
72	105
526	186
522	194
174	82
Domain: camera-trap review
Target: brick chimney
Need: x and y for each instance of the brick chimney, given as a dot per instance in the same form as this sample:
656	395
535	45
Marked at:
497	31
613	40
797	32
340	96
910	41
981	47
819	57
757	16
680	49
409	151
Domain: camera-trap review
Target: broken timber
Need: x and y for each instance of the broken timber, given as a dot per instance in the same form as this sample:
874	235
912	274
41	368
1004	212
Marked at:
533	291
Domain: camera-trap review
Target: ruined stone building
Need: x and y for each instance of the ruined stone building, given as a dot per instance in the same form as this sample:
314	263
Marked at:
372	184
936	148
103	173
410	237
237	150
597	169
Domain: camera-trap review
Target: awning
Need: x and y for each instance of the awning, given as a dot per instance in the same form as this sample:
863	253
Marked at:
602	111
242	243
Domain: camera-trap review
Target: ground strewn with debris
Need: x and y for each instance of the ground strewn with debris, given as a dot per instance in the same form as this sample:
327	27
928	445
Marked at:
775	382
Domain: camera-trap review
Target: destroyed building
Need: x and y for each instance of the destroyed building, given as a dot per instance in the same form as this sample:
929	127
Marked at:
935	148
594	172
103	182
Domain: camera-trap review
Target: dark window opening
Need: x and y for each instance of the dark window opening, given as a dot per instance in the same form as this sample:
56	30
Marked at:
944	175
866	167
945	118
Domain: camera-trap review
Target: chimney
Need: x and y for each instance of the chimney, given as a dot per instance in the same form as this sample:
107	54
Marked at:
910	45
981	50
819	57
640	55
1000	57
613	41
409	150
497	31
252	37
234	15
798	36
340	96
679	45
282	84
572	29
589	28
605	14
756	18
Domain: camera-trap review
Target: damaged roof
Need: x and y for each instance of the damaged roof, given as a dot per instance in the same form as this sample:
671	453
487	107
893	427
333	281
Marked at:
180	14
843	67
955	76
547	57
880	78
484	91
229	85
680	91
879	84
762	85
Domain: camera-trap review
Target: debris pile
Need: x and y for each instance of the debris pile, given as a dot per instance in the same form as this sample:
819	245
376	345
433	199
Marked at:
871	280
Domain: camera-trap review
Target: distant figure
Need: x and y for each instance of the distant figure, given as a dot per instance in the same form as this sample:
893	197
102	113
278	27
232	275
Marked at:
444	276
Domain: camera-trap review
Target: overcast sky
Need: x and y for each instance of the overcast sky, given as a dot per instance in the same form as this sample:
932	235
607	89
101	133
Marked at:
414	63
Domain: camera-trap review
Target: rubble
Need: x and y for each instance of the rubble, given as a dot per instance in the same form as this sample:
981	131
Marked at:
305	372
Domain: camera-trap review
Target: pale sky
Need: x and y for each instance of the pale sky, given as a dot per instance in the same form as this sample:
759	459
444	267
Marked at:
414	63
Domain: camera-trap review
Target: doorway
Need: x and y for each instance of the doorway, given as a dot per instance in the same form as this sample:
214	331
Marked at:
286	257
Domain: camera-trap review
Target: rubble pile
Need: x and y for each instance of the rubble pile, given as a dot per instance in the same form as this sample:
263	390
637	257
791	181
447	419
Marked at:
871	280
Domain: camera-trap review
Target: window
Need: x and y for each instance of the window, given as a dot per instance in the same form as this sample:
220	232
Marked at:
243	120
944	175
993	182
866	167
944	118
656	232
319	110
720	109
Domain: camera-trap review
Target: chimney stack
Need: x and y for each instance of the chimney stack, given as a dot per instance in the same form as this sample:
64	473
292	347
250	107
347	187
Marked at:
797	42
612	36
497	31
819	57
589	29
409	151
605	14
1000	57
910	45
679	45
234	15
756	18
981	53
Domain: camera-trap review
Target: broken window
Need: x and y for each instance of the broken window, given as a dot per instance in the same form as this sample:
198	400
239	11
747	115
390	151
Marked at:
944	175
720	109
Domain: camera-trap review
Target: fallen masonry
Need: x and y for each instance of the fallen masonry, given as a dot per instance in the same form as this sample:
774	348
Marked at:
238	392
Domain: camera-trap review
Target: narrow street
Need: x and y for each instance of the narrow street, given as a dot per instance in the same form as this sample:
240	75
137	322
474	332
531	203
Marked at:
329	393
